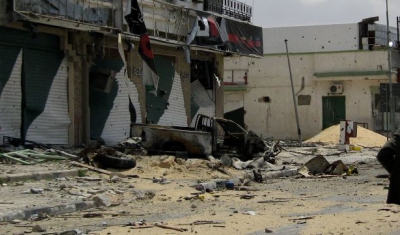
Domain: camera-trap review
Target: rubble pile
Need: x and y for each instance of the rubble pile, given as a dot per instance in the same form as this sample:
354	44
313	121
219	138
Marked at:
365	137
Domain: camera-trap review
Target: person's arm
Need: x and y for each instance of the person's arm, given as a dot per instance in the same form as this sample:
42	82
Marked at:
387	154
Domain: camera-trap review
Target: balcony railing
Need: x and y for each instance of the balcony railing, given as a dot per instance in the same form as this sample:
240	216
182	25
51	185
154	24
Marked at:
232	8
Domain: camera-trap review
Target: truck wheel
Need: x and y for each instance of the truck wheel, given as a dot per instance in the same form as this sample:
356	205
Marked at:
106	161
174	146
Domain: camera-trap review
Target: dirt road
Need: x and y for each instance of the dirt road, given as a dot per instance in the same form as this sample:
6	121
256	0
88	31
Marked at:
289	205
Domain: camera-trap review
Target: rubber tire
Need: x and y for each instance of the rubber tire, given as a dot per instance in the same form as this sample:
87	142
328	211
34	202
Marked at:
106	161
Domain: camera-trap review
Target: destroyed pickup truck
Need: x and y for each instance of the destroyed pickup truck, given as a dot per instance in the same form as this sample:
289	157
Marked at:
210	136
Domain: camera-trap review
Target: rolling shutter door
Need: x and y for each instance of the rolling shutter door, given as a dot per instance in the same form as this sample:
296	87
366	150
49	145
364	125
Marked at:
44	84
10	91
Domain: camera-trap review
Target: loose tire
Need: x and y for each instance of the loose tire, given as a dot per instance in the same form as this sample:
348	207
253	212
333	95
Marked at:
106	161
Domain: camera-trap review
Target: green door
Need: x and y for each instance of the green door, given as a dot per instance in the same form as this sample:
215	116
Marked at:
333	110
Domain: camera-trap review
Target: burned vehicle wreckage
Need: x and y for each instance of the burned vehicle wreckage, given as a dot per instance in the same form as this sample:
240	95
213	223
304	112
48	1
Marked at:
210	136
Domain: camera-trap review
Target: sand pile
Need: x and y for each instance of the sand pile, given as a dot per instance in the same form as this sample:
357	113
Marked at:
365	137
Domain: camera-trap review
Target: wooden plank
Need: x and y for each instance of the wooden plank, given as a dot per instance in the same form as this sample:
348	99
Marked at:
92	168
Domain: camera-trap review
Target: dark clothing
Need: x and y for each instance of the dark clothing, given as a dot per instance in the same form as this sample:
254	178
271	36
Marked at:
389	157
386	155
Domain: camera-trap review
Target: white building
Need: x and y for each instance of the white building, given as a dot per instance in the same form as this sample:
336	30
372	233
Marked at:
337	73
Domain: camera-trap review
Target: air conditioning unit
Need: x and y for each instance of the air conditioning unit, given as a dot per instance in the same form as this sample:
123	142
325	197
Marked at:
336	89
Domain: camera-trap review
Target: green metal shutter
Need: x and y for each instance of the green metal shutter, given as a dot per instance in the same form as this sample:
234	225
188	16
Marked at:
37	87
45	105
156	105
101	103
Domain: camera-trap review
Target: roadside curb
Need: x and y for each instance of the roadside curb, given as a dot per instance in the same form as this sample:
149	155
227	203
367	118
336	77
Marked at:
39	176
47	210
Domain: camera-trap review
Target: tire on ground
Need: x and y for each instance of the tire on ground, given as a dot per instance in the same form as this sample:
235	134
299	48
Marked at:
106	161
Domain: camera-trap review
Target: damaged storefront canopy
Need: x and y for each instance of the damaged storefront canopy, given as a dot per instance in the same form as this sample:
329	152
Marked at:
226	34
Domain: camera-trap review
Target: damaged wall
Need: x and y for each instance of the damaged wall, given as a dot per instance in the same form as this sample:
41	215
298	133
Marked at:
315	38
268	102
171	106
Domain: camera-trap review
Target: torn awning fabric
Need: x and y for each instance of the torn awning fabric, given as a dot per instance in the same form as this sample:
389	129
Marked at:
226	34
205	31
243	38
137	26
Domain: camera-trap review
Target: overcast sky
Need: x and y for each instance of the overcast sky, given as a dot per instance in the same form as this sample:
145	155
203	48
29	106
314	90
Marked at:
280	13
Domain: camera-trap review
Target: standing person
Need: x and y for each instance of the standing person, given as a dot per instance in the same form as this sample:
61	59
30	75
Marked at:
389	157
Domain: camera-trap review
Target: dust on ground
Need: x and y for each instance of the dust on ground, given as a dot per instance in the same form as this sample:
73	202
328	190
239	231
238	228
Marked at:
288	205
365	137
338	205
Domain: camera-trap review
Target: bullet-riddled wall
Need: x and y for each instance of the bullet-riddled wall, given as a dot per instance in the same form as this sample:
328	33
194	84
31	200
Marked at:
268	100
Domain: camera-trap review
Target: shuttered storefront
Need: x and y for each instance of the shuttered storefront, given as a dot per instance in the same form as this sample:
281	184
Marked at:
10	91
46	117
34	94
113	111
202	101
168	107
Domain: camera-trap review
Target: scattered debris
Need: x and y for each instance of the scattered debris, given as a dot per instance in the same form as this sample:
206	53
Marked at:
103	157
302	218
72	232
30	157
39	228
268	231
319	166
258	176
361	222
247	196
162	180
201	222
91	168
6	202
142	226
394	211
91	179
92	215
33	191
102	200
273	201
169	227
249	213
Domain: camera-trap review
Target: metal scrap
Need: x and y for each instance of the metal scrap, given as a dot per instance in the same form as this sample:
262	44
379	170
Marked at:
30	157
319	166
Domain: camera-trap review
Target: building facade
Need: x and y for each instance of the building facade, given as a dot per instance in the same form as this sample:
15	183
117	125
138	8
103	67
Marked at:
339	73
74	71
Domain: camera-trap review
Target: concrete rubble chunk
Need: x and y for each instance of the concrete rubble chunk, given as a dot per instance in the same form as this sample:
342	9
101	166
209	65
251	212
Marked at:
102	200
115	179
72	232
167	162
39	228
15	221
96	191
143	194
75	192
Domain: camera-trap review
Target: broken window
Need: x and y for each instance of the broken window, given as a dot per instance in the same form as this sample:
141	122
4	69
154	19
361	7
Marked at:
202	71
